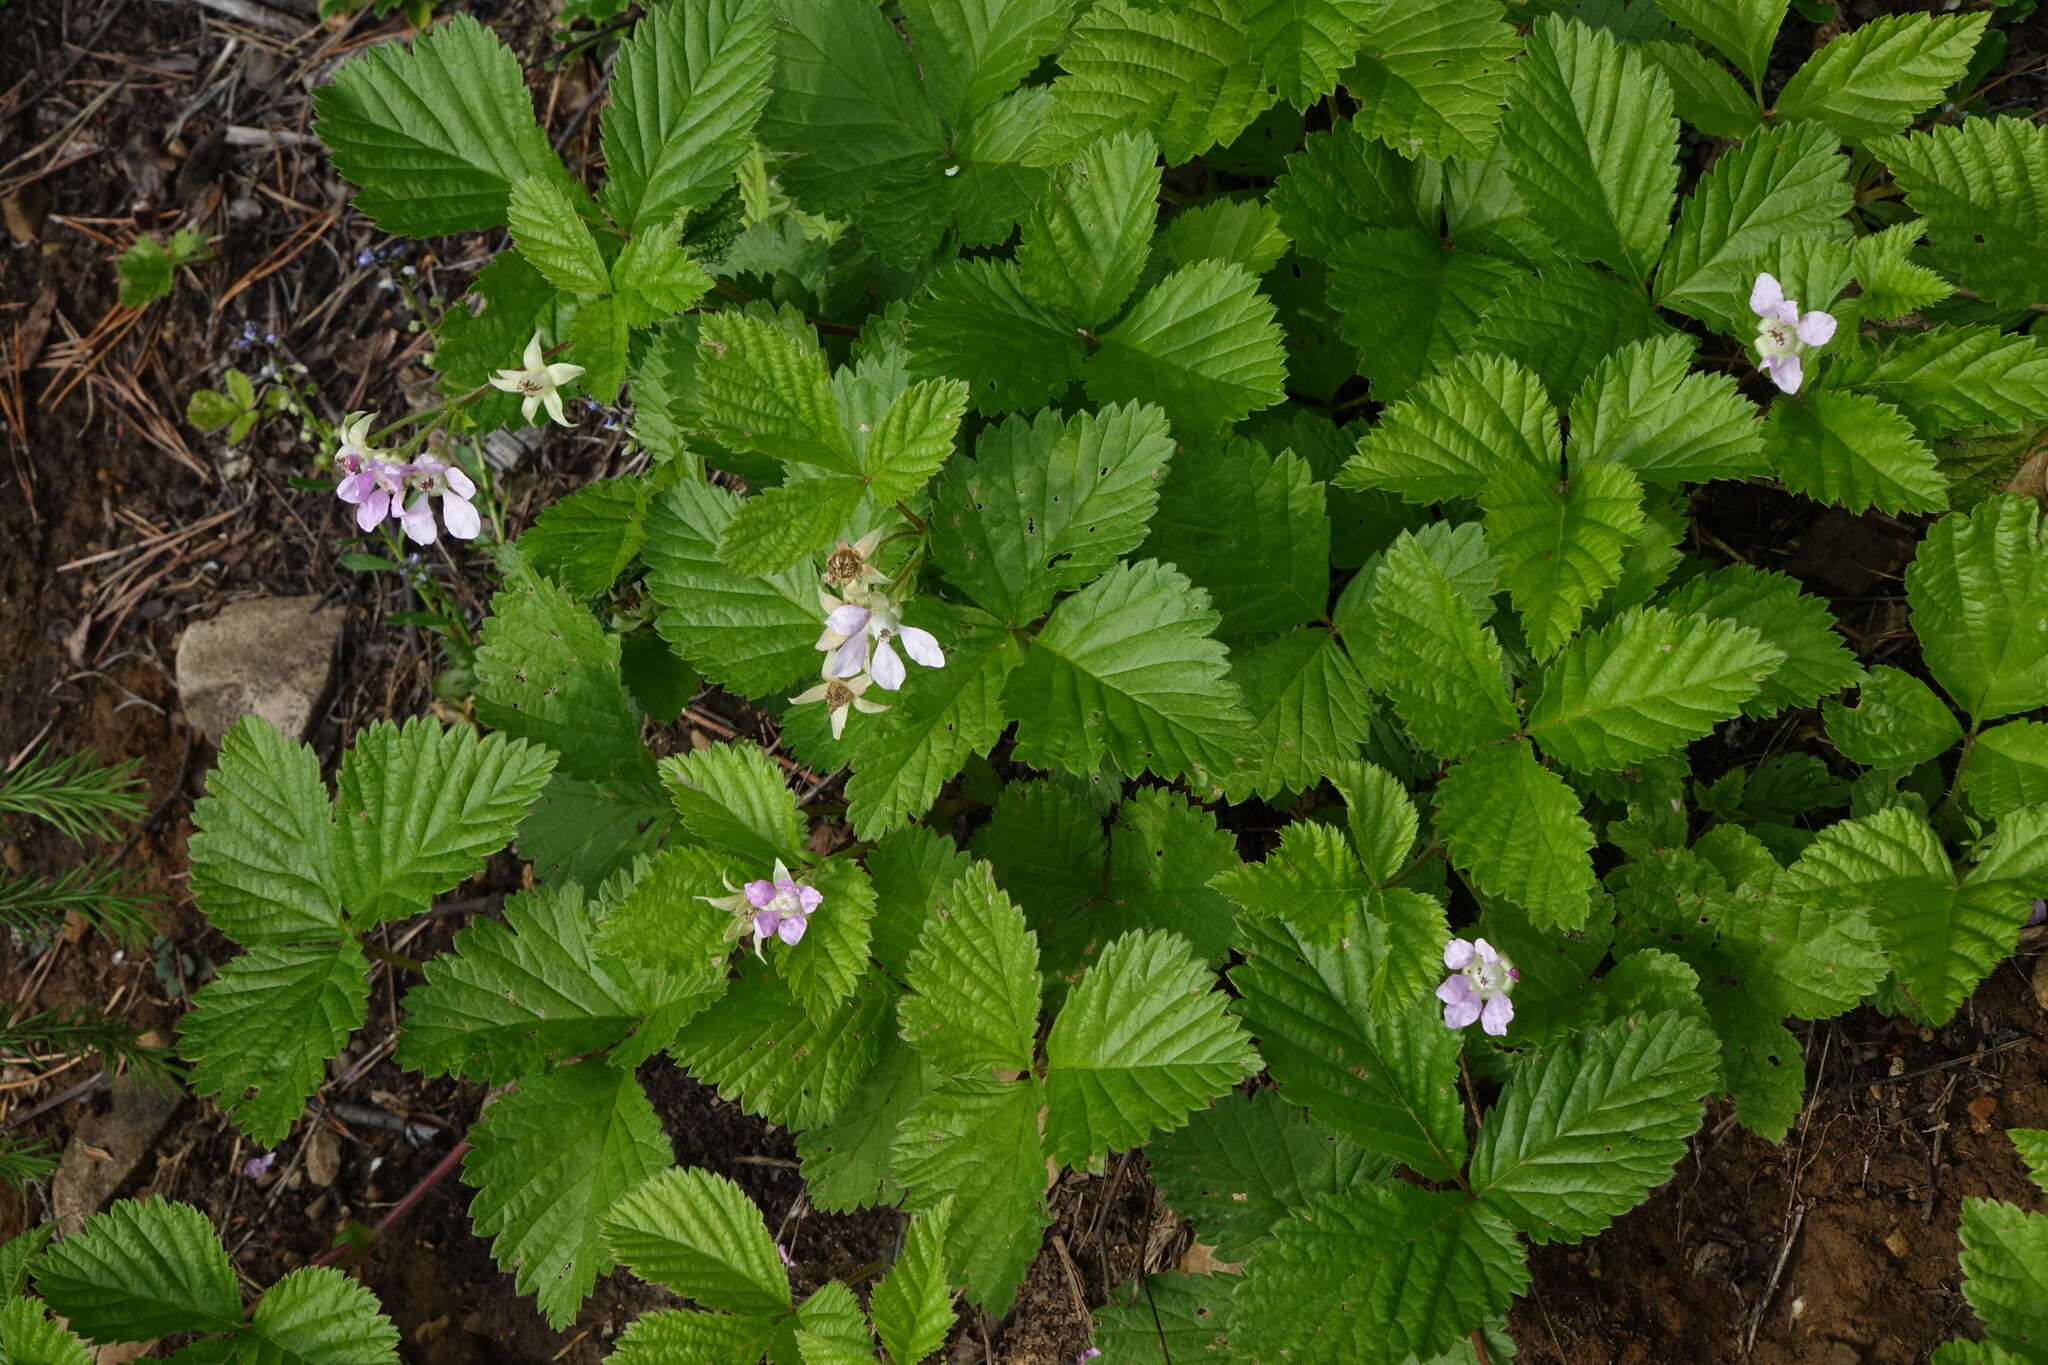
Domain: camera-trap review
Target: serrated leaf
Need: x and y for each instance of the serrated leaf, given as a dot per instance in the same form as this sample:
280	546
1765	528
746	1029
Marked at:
1853	450
1045	507
2005	1272
1432	656
973	1002
1385	1079
767	1055
654	279
260	1035
688	85
546	671
1762	1064
143	1269
1164	852
1878	78
734	798
1796	960
971	52
1560	545
1513	826
784	527
435	133
2009	769
1743	30
975	323
914	438
1817	661
1647	408
585	540
698	1234
470	347
262	854
912	1305
1953	377
1978	589
1142	1042
586	831
29	1337
2032	1144
548	1160
1645	684
1310	711
908	865
1085	243
1565	322
1127	670
1897	721
1431	77
1381	816
1585	1131
1374	1277
1593	145
1246	231
1312	881
830	1329
1251	529
666	1336
1050	855
846	1163
1342	181
1202	343
1447	438
1167	1318
762	386
1409	303
1302	45
550	234
1240	1165
977	1141
15	1255
1982	186
318	1316
1704	93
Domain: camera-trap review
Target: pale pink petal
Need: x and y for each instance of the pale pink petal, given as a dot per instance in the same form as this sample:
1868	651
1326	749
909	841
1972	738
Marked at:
888	668
849	619
356	487
791	930
1786	312
766	922
1461	1014
372	509
1817	328
1484	951
419	521
760	893
1457	954
922	646
1786	372
1456	990
463	485
809	898
851	658
461	518
1766	294
1494	1018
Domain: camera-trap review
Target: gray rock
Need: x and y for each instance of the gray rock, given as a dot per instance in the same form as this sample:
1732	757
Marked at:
106	1150
269	656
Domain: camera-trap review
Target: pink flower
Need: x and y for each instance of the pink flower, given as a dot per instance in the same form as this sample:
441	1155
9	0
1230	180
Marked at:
860	636
433	479
1785	332
2040	914
256	1167
771	907
1480	987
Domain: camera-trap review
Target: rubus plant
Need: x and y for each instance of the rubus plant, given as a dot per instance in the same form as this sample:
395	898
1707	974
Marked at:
2005	1271
1281	570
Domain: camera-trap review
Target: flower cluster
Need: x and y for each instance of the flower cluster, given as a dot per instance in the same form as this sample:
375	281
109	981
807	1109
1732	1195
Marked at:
778	907
1479	988
376	485
862	627
1785	332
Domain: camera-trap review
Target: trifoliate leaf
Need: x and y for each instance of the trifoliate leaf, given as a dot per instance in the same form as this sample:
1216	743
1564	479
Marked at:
1982	186
2008	769
1894	284
1045	508
585	540
973	1002
1310	712
977	1141
1381	816
734	798
1978	589
1647	408
912	1305
1437	663
913	439
417	810
1560	545
975	323
1312	881
143	1269
1897	722
1878	78
260	1035
1342	181
688	85
1375	1276
1817	661
1142	1042
1164	853
1302	45
1408	303
1585	1131
1085	243
1645	684
846	1163
550	234
546	671
548	1160
1854	450
1513	826
1593	145
697	1234
1251	529
1446	438
435	133
319	1316
262	856
1202	343
1952	377
1127	670
1431	77
28	1336
767	1055
1388	1080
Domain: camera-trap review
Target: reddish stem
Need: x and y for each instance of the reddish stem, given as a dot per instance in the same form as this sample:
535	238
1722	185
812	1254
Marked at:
401	1208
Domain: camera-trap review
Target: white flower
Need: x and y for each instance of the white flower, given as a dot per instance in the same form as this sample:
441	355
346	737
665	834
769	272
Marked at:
849	626
539	383
838	695
1784	332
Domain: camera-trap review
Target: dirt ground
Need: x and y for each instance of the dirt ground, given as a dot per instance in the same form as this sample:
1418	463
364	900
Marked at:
120	523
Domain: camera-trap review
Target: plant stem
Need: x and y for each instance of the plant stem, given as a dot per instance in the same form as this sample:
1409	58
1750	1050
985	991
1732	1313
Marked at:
383	954
401	1208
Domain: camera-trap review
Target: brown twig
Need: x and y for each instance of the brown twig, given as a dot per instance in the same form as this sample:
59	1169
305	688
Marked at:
400	1209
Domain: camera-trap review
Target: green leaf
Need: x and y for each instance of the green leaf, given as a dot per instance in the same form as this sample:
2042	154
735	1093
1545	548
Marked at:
1376	1276
2005	1272
419	809
699	1235
546	671
1704	93
1647	408
2008	769
762	386
513	999
666	1336
1240	1165
1978	589
1795	959
977	1141
435	133
1560	545
1743	30
1585	1131
1817	661
846	1163
598	341
751	634
1982	186
909	865
1897	722
1513	826
550	234
262	856
1164	852
1447	438
1142	1042
658	682
1565	322
1184	74
1312	881
1202	343
830	1328
1342	181
1762	1064
146	273
1646	684
688	85
1593	145
1387	1079
733	797
655	279
1045	508
1878	78
549	1159
1894	284
319	1316
470	347
1302	45
1953	377
1432	656
767	1055
29	1337
586	540
586	831
1085	243
1050	855
1853	450
1382	817
1127	670
1310	711
1251	529
15	1255
1246	231
1431	77
143	1269
1781	182
912	1305
259	1036
971	53
914	438
974	322
973	1002
1168	1318
2033	1149
1409	304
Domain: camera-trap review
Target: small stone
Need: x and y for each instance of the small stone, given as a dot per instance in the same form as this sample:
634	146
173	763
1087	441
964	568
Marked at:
2040	981
1895	1242
107	1149
323	1157
269	656
1980	1110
